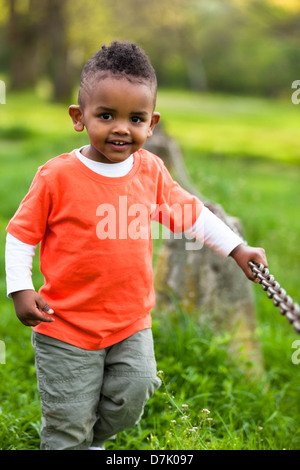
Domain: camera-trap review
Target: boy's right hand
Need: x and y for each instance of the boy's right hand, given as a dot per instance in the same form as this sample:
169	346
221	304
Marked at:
31	308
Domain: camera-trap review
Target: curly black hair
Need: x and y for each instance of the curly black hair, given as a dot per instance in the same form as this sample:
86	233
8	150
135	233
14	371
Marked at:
120	58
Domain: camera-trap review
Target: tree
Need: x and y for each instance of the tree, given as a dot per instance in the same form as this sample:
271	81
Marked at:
59	68
37	41
23	31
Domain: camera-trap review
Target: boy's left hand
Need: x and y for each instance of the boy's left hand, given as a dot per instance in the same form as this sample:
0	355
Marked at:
242	254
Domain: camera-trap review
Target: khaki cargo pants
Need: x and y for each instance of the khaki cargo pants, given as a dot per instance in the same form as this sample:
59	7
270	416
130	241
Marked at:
87	396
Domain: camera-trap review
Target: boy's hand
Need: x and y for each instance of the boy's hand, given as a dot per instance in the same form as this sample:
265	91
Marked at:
242	254
30	307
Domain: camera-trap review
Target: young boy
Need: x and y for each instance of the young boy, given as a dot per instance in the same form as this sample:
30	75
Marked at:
91	210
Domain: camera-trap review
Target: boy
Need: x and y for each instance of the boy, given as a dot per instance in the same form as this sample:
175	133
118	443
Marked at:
91	210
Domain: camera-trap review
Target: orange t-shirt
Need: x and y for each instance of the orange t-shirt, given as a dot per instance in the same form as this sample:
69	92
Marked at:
96	247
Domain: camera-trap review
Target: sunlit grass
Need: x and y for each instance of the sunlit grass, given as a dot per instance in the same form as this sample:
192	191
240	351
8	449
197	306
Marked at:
232	126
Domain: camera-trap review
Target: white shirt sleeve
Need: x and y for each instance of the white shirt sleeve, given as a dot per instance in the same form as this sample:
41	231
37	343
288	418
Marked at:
213	232
208	228
18	263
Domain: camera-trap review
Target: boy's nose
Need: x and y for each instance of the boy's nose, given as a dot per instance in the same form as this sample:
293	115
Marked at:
121	128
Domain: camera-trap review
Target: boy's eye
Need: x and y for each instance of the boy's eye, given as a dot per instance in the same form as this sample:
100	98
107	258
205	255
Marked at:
136	119
106	116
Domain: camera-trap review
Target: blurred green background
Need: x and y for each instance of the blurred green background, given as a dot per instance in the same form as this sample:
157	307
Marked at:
240	46
225	70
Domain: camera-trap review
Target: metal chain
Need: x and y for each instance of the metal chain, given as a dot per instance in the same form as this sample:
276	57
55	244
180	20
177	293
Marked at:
280	298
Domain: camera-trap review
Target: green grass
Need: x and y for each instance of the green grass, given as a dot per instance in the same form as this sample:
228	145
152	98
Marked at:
235	126
242	153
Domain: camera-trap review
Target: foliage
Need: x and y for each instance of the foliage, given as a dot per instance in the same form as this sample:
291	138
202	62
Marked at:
212	45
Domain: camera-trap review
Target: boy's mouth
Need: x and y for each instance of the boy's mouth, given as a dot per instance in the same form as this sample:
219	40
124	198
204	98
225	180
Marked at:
119	142
119	145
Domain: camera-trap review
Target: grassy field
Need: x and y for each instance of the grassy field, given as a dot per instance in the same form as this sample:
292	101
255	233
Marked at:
242	153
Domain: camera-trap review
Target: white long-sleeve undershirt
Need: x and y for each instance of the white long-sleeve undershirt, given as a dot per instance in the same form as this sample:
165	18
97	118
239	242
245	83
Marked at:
209	229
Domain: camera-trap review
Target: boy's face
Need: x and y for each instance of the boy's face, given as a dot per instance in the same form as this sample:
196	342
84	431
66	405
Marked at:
118	116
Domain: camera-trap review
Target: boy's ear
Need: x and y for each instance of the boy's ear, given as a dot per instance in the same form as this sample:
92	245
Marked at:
154	120
77	117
